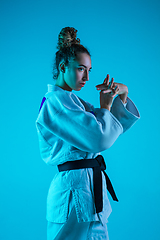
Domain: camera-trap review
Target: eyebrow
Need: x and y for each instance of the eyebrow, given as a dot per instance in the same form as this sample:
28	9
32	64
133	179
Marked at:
83	66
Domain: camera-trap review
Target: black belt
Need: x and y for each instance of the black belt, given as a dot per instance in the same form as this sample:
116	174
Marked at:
98	165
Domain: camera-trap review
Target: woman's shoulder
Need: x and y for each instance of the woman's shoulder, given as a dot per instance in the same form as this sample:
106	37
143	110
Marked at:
56	94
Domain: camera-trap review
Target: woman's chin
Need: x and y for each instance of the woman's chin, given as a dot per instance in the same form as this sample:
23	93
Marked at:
77	89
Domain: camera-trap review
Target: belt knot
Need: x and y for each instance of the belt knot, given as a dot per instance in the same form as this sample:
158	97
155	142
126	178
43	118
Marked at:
98	165
101	162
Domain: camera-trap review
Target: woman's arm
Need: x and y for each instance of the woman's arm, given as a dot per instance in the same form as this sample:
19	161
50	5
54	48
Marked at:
63	116
122	108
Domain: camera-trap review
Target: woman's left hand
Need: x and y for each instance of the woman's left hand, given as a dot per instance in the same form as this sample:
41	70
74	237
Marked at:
123	91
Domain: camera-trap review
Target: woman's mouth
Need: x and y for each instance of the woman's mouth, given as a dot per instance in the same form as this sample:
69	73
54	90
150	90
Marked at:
82	84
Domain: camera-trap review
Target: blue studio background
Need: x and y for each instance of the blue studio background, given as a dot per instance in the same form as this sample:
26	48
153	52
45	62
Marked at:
124	40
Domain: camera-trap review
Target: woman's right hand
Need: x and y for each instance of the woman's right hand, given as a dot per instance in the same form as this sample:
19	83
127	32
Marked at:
108	92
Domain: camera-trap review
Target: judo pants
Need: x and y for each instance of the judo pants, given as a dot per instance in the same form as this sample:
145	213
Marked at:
72	230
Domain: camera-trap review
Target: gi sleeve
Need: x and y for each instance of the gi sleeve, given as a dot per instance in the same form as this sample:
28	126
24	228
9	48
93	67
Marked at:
65	117
127	114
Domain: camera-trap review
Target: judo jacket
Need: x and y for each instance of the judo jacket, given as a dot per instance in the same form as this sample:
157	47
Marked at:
70	128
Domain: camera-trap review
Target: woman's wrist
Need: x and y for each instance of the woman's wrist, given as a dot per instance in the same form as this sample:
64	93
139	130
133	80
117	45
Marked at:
123	97
106	107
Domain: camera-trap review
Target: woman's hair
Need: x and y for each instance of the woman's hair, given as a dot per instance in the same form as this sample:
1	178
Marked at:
68	48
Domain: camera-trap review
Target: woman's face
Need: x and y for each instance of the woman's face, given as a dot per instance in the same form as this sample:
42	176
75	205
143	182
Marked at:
77	72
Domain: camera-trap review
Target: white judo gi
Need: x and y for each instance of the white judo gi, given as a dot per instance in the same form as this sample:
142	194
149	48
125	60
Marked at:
70	128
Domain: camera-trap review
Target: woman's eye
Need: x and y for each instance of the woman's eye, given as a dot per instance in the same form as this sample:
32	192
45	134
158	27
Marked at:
80	69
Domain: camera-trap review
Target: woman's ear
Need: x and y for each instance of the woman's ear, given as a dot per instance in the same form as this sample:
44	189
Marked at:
62	67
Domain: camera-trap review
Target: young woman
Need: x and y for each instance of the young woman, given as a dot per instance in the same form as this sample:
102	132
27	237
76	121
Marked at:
72	133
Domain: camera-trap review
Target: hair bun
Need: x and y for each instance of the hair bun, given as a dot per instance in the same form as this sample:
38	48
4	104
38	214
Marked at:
67	37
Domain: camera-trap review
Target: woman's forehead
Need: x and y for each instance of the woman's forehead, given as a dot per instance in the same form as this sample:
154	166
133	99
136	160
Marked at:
83	59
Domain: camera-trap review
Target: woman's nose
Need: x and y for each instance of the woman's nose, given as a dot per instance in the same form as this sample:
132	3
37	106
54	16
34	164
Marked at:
86	75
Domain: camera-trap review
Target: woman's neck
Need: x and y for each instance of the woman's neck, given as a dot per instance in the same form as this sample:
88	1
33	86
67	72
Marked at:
62	84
